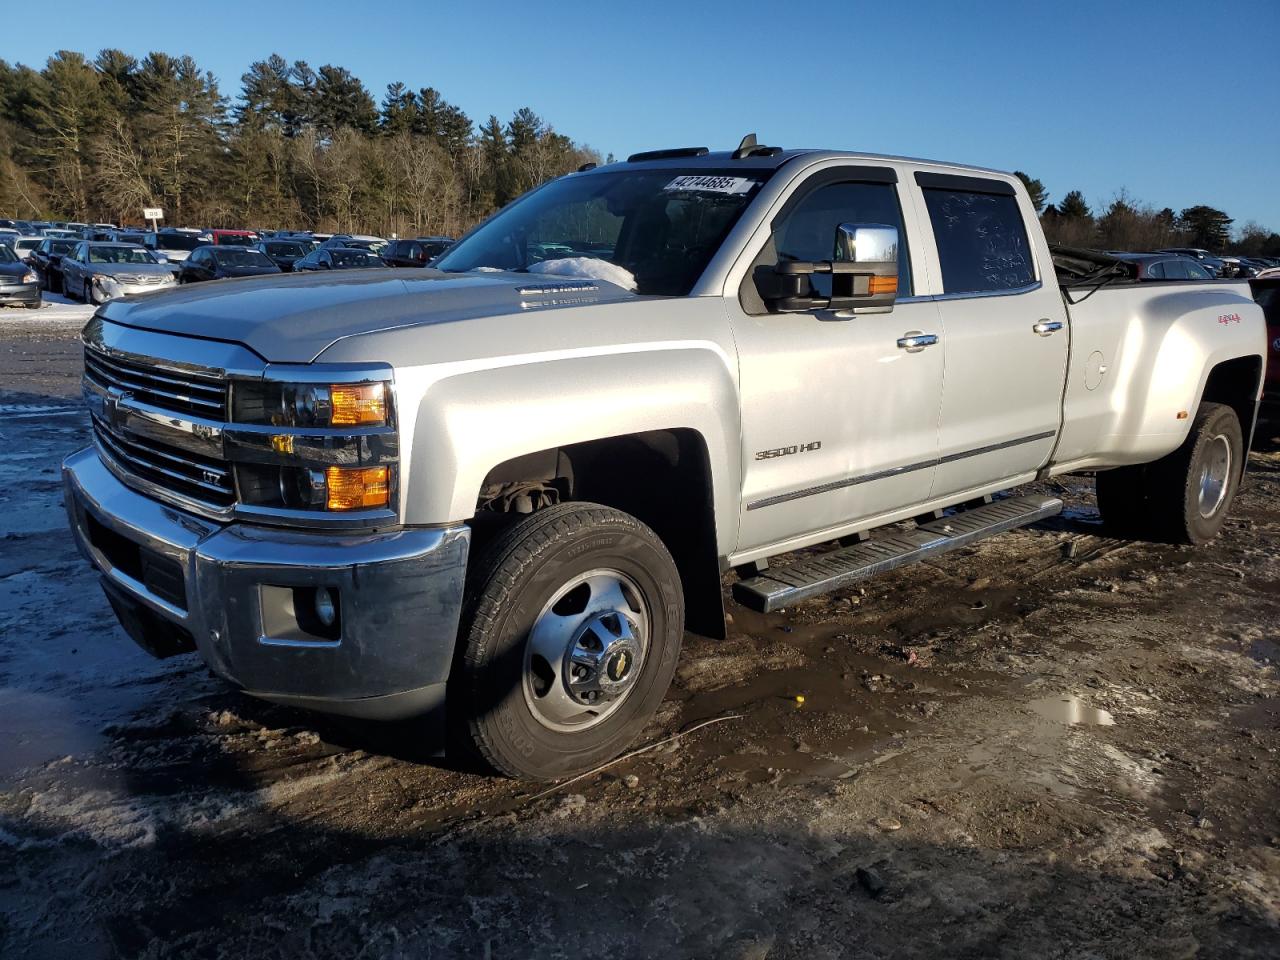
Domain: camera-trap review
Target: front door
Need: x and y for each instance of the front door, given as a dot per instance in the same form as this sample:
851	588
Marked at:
839	419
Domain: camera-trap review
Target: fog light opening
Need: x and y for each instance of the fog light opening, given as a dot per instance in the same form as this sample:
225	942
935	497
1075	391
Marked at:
326	606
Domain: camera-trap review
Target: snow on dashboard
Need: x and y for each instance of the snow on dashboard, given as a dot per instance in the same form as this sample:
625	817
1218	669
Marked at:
590	267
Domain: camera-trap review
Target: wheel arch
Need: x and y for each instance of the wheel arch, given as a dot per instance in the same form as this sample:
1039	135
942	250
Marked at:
661	477
1237	383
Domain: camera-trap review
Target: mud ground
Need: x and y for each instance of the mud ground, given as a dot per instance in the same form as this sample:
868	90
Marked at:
1053	745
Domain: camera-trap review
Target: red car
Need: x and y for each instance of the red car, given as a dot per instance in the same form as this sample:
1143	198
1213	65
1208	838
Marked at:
236	238
1267	292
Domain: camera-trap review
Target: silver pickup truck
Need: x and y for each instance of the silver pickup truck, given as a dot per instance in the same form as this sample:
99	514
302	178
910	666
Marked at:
511	481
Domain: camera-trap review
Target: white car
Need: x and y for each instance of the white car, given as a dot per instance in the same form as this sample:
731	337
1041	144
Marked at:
24	247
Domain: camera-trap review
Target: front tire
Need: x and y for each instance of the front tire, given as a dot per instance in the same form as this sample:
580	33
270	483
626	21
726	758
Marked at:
571	633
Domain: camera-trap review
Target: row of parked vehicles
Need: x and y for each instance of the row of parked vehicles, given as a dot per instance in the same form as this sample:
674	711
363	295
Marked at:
1223	267
101	262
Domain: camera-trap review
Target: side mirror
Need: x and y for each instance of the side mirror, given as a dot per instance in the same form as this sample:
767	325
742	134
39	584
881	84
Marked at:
863	269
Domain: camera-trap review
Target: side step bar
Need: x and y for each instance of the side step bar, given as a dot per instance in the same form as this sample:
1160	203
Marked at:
782	586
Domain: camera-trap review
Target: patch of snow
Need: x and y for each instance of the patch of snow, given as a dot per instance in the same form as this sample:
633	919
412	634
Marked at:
57	309
591	267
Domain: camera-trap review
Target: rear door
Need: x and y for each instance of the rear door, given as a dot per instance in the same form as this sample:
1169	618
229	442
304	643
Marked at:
1006	344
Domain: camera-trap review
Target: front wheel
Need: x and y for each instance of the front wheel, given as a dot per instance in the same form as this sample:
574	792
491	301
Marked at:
570	638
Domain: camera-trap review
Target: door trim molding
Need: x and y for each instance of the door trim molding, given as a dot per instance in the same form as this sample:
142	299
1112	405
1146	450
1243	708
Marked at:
895	471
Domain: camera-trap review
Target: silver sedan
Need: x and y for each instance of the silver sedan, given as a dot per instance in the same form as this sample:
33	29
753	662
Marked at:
97	272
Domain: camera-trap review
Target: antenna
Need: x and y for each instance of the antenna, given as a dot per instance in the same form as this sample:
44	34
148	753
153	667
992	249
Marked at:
747	145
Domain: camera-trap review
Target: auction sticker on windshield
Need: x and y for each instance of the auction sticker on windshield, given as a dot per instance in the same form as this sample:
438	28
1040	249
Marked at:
711	184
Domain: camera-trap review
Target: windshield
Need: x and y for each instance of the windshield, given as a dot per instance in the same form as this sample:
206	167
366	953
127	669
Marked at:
660	226
241	258
129	237
28	243
343	257
119	255
179	241
285	249
61	246
7	255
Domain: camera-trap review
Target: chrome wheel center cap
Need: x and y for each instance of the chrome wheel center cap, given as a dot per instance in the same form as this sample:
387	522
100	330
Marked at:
603	660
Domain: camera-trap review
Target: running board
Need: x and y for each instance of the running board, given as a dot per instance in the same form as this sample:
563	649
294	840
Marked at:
782	586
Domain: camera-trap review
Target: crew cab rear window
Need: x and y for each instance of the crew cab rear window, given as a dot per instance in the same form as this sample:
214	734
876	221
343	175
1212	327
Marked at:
982	241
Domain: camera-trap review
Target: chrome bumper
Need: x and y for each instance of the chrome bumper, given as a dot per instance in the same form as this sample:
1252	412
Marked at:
400	594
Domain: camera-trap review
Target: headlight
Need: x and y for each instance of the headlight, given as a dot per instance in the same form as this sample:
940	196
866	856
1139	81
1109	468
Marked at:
30	277
324	447
104	278
311	404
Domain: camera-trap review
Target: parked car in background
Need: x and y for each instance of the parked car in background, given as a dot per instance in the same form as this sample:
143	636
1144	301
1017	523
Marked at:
9	236
6	224
1206	259
234	238
176	244
221	263
1266	291
1163	266
60	234
24	247
373	244
47	261
284	253
416	252
98	272
338	258
19	282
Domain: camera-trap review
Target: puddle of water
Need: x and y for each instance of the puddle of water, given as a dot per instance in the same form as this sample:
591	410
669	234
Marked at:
36	728
1067	708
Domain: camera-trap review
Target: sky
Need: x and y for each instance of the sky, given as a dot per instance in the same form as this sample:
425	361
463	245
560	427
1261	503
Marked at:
1173	102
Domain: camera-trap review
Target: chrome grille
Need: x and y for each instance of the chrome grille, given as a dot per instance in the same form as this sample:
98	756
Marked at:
182	391
192	475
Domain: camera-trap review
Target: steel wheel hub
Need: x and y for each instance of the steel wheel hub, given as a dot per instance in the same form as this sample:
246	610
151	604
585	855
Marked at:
586	650
602	663
1215	476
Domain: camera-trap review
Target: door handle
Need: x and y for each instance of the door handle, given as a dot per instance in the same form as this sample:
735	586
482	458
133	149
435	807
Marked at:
915	341
1046	328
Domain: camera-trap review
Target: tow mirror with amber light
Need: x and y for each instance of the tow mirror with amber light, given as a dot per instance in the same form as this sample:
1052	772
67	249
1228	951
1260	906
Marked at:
863	270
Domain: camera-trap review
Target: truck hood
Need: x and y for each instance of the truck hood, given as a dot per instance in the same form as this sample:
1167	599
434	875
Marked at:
294	317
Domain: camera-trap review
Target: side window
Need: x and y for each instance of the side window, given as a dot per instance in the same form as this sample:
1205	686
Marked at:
1197	272
982	241
1155	271
1176	269
808	230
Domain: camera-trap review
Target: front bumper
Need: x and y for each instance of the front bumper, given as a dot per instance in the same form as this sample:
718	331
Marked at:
20	292
179	581
105	289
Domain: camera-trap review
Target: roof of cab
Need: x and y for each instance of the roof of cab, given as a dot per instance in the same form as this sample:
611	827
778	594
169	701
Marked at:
723	159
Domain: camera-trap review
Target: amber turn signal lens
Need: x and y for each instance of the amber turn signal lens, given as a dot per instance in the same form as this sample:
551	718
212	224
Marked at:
883	285
353	488
359	403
